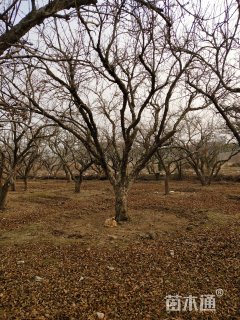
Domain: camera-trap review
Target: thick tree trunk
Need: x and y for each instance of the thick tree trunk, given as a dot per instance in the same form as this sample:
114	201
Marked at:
208	180
78	183
121	203
3	195
202	180
200	176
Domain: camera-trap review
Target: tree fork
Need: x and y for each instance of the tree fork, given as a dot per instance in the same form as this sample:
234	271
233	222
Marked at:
36	17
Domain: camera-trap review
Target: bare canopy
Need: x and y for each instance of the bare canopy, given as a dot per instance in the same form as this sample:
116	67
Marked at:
13	33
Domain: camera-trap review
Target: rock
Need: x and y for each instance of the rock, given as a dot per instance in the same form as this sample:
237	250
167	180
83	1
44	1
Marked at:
171	253
100	315
171	191
112	237
110	223
38	279
110	268
150	235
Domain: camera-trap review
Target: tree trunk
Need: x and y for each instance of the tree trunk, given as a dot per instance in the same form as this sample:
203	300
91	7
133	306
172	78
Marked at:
121	203
25	180
208	180
202	179
3	195
157	176
13	185
166	183
200	176
67	173
68	177
179	171
78	183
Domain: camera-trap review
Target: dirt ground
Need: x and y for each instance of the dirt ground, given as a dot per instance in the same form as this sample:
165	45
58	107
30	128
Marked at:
58	261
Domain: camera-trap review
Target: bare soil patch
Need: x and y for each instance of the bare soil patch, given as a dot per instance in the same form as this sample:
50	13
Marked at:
58	261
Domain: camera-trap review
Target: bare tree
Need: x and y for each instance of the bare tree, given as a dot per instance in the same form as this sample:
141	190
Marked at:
74	158
169	159
216	46
117	73
82	161
19	133
50	161
206	146
26	167
59	145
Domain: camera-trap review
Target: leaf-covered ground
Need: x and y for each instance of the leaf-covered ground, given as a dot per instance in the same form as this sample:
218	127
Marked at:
58	261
